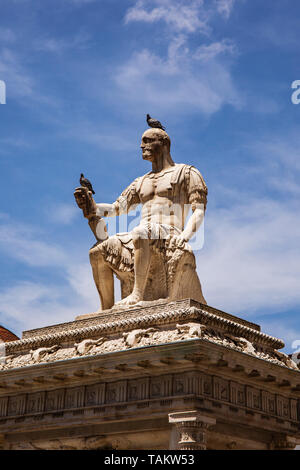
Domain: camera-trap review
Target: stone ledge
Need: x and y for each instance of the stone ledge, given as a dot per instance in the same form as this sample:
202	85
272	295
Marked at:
147	308
168	317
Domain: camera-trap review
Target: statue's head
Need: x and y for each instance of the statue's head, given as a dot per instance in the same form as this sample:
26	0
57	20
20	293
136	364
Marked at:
156	144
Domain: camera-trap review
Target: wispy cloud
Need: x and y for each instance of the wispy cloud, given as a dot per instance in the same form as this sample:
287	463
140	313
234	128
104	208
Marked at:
177	14
21	84
103	137
18	81
251	259
31	304
214	49
61	213
21	242
182	80
186	78
61	45
10	144
281	162
225	7
7	35
252	263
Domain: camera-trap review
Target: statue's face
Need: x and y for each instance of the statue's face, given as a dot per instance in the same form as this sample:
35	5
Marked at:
152	146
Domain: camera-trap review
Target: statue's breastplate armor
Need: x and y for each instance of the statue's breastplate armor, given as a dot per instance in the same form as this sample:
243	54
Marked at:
156	185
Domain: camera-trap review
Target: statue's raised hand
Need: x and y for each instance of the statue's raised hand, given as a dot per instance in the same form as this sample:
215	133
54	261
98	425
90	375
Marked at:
85	202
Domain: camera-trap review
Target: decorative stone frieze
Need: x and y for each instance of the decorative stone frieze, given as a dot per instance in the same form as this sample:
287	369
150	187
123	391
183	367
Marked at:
131	373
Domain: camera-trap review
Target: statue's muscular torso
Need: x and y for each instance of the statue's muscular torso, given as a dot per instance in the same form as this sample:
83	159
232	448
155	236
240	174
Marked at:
164	195
158	201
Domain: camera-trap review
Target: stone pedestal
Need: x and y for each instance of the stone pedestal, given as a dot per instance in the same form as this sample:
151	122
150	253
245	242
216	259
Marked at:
168	375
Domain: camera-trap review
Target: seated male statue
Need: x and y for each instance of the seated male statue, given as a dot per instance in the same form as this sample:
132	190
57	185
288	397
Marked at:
154	261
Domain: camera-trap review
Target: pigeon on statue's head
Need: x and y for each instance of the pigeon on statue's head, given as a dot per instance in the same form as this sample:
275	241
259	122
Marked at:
154	123
86	183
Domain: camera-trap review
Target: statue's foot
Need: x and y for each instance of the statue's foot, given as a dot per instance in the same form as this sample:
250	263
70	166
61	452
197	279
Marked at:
132	299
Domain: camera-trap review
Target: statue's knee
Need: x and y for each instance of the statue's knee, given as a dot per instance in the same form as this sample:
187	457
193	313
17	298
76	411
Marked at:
139	233
95	255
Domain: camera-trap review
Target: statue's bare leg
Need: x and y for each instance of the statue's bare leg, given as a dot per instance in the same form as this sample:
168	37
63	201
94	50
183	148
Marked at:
103	277
142	257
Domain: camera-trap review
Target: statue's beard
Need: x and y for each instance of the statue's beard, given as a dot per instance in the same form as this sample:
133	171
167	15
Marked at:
151	156
148	156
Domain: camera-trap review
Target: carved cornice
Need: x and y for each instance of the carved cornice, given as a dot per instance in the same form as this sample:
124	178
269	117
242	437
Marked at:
168	317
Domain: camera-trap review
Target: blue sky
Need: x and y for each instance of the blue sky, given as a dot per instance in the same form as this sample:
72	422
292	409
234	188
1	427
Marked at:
80	77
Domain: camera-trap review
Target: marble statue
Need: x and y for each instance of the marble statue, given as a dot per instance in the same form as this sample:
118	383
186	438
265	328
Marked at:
154	261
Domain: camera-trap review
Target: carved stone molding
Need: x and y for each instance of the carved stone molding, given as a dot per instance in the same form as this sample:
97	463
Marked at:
145	321
158	387
283	442
2	442
161	328
192	427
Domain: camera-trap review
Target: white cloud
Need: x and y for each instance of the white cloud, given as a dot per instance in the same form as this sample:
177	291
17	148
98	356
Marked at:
177	14
33	304
60	45
283	329
212	50
225	7
18	82
21	85
251	260
103	137
9	144
20	241
180	15
281	163
186	78
62	213
29	305
179	81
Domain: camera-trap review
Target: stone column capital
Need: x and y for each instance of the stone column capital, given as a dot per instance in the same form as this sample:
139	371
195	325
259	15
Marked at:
192	427
191	416
283	442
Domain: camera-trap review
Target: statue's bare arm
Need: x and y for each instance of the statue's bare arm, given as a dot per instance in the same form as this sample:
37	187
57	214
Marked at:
194	222
126	202
107	210
91	209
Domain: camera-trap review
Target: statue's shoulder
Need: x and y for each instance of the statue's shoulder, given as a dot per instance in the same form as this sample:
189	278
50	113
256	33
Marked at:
193	180
182	171
186	167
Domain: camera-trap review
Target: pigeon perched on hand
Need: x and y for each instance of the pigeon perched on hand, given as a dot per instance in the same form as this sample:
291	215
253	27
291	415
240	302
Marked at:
154	123
86	183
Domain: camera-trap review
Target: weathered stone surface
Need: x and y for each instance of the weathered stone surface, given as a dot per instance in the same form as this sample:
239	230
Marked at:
143	330
114	384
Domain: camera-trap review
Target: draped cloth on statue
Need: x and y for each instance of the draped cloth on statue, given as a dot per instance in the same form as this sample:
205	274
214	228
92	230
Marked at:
118	250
